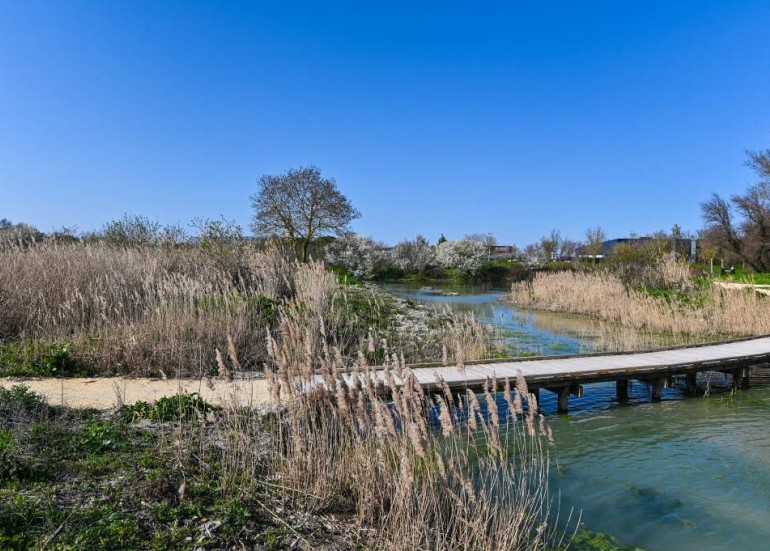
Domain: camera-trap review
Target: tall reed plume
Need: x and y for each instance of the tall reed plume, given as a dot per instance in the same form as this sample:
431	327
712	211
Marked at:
711	311
436	468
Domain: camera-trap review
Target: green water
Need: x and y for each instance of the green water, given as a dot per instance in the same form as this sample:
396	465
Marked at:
688	473
683	474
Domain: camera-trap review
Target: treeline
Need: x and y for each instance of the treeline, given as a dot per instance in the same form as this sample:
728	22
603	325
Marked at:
365	258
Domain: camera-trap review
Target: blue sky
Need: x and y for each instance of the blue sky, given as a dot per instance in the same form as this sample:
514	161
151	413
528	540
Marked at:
511	118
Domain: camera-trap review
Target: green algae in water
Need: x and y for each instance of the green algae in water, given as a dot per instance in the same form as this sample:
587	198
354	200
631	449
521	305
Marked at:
587	540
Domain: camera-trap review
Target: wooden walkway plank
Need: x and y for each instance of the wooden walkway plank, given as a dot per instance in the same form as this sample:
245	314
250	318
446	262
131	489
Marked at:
590	368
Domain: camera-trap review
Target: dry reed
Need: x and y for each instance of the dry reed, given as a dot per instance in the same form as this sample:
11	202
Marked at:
712	311
158	310
141	310
480	483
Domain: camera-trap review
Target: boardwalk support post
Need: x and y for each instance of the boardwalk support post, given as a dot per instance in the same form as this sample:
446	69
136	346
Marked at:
657	386
692	383
564	393
621	387
740	378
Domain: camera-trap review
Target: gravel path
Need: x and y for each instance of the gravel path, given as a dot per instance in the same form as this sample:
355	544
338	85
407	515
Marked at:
762	289
109	392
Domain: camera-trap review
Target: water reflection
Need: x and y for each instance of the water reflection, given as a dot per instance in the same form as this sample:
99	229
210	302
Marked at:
526	332
682	474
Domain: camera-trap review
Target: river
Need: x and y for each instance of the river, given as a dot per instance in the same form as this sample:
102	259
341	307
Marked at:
687	473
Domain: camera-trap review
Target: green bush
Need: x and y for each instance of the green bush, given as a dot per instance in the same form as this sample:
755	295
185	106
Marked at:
9	460
30	358
19	398
344	276
17	521
186	407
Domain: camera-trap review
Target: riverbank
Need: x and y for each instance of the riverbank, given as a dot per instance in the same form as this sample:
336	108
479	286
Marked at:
183	471
111	393
687	473
704	309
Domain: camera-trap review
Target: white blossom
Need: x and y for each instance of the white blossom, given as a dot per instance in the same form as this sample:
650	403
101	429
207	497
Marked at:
357	254
466	255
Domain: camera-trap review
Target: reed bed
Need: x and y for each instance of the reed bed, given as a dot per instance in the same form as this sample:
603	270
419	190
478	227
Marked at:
452	470
707	311
164	310
391	465
138	310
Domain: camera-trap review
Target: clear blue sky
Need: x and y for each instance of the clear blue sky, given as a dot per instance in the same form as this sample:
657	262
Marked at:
432	117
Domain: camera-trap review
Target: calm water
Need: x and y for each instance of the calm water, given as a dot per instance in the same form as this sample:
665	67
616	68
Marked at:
682	474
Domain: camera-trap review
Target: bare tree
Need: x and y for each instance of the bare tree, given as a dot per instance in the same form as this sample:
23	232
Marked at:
759	161
132	229
533	253
300	206
595	237
568	249
748	237
550	244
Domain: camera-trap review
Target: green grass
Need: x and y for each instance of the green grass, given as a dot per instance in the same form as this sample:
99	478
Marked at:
72	480
31	358
671	296
741	275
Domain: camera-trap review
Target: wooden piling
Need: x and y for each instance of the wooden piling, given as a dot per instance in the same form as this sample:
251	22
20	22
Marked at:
621	390
692	385
657	387
564	393
740	378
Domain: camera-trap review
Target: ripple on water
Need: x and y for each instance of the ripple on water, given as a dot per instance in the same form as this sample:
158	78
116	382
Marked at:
682	474
690	474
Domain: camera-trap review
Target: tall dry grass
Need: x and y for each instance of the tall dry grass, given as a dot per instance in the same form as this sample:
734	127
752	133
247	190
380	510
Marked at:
142	310
447	470
165	310
406	469
367	449
602	295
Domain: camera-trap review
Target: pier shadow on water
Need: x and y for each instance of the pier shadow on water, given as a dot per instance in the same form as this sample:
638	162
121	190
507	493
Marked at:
686	473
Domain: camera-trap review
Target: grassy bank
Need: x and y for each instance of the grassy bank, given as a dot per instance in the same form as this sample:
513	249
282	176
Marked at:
95	309
337	468
687	307
495	273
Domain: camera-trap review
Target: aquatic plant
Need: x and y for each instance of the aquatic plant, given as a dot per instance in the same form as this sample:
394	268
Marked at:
706	310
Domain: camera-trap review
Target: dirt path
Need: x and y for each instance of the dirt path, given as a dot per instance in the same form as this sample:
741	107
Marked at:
109	392
762	289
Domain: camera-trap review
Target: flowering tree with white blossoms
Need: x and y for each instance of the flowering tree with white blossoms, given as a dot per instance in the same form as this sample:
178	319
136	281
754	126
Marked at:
357	254
467	255
412	256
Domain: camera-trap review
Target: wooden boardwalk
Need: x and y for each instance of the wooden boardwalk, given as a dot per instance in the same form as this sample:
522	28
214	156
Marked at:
565	374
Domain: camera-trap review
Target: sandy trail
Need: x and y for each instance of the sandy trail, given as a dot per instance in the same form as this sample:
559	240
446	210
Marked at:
762	289
107	393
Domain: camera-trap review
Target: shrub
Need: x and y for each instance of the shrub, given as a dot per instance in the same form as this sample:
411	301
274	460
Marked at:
185	407
412	256
359	255
465	255
20	399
